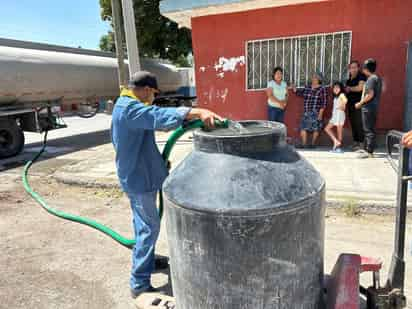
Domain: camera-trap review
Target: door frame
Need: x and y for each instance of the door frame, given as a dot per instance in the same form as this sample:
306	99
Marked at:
407	123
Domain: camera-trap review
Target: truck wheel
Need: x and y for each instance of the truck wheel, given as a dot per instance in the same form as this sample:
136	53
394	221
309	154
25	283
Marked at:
88	109
11	138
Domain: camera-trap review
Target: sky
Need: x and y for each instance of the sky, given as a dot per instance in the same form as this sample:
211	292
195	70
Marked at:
71	23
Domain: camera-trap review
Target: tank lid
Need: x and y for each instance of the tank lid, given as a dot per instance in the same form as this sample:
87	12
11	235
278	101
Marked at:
251	136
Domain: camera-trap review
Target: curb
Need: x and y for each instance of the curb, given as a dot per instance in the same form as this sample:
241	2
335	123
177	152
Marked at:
362	204
374	207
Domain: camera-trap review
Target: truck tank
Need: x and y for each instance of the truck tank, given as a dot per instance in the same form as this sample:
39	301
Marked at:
32	72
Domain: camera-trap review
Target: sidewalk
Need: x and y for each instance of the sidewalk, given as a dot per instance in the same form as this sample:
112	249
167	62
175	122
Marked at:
366	182
371	182
95	167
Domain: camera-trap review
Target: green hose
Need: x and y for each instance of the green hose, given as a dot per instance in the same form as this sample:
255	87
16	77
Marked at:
129	243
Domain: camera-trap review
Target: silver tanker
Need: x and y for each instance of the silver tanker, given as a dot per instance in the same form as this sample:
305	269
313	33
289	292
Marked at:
35	77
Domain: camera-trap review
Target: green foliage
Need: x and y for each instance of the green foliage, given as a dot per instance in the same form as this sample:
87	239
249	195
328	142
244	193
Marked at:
351	208
107	42
106	10
182	61
158	36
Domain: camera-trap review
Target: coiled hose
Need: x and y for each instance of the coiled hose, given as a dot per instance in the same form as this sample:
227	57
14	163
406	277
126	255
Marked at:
126	242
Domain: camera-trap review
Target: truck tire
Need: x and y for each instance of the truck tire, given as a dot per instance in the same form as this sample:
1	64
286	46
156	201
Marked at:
11	138
88	109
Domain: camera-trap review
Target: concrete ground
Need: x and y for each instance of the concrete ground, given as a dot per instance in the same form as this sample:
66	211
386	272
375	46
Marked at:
50	263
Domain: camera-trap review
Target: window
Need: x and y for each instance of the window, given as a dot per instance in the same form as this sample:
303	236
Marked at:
299	57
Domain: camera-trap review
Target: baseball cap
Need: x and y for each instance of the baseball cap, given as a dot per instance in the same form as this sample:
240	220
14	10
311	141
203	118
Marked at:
143	79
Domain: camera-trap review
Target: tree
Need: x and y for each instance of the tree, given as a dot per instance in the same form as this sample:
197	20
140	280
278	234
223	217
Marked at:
158	36
107	42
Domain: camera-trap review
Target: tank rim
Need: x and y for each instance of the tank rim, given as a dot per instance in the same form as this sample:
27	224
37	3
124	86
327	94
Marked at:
276	128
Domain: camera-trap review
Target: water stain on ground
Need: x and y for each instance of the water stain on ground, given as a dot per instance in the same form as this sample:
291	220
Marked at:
42	288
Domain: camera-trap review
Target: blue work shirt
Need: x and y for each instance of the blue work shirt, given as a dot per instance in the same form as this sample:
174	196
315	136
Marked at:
140	166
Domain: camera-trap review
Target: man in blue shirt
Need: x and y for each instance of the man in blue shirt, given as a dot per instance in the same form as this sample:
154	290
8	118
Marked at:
140	166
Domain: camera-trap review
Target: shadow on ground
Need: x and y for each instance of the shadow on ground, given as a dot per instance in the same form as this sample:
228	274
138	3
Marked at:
57	147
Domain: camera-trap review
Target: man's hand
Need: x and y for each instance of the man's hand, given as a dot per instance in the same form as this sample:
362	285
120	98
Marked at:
208	117
365	100
407	139
271	97
282	104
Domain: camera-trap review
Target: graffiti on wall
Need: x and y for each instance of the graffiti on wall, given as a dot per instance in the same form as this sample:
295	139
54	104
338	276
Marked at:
228	65
220	67
223	65
215	95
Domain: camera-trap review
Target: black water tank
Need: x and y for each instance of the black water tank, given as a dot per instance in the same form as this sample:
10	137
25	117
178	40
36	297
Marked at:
245	222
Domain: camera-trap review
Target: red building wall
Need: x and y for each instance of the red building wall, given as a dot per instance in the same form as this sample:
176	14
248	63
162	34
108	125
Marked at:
380	29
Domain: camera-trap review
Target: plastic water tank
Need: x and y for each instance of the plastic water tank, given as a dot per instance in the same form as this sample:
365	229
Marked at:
245	222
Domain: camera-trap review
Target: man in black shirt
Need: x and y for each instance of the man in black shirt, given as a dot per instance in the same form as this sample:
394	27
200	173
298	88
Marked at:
354	88
369	105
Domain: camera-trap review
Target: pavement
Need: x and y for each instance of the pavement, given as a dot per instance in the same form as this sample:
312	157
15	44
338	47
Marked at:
80	135
369	183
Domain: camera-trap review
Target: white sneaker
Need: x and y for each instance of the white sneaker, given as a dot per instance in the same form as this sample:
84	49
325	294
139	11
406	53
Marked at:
364	155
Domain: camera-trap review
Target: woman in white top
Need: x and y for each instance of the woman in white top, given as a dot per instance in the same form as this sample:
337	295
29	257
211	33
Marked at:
338	117
277	94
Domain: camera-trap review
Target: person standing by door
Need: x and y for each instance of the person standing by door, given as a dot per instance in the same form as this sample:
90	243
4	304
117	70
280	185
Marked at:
277	94
354	88
315	98
338	117
369	105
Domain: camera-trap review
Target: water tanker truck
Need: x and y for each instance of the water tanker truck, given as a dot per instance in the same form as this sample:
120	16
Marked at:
34	78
